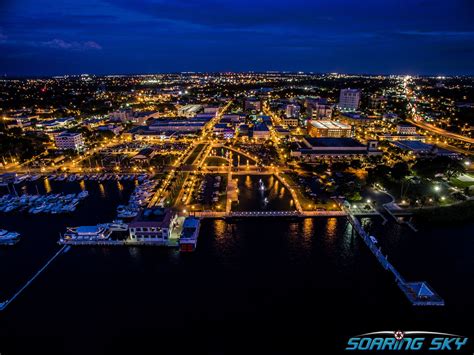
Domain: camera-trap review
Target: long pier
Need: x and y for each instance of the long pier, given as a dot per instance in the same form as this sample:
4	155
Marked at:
253	214
4	304
419	293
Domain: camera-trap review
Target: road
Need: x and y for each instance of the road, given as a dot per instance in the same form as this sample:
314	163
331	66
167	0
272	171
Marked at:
440	131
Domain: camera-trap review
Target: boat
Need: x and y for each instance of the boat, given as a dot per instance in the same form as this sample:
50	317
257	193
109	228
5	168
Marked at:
127	214
35	177
118	225
373	239
189	235
261	185
86	233
83	194
9	238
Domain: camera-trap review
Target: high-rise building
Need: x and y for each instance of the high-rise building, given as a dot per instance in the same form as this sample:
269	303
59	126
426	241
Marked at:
349	99
292	111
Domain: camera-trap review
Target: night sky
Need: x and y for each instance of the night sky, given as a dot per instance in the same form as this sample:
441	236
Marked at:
49	37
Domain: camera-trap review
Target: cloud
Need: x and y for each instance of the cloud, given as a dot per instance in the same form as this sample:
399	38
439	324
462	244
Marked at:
446	34
75	46
3	37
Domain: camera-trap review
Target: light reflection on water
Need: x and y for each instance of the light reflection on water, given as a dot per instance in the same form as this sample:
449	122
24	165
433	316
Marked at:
248	182
47	186
102	190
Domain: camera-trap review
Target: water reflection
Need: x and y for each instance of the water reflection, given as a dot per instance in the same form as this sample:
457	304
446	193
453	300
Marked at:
331	227
102	190
47	186
308	228
248	182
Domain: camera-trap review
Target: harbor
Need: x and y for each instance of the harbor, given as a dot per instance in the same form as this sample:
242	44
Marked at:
49	203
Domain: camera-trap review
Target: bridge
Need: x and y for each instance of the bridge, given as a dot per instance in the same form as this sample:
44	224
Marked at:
419	293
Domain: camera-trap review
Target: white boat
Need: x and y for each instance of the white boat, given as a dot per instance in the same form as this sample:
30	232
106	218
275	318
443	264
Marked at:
127	214
373	239
118	225
83	194
87	233
8	238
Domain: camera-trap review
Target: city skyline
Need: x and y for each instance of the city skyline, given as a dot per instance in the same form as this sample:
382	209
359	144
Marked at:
144	37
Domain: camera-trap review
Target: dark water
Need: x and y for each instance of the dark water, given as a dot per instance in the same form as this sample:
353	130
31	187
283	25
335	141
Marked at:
258	286
274	196
237	158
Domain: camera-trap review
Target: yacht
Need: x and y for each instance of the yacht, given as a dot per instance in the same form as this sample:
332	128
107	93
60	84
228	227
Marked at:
189	235
9	238
127	213
118	225
83	194
86	233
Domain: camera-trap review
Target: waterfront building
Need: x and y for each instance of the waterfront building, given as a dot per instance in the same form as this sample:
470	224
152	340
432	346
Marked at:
153	225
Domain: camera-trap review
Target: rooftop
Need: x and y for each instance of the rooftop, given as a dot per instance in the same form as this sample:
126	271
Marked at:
329	125
333	142
157	217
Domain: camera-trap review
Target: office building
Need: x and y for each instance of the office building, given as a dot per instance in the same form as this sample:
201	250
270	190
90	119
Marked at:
72	141
328	129
349	99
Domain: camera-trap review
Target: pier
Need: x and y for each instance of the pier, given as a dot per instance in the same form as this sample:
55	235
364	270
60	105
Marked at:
254	214
171	243
4	304
419	293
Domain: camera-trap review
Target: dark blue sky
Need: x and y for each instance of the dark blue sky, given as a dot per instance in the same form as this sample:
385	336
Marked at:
44	37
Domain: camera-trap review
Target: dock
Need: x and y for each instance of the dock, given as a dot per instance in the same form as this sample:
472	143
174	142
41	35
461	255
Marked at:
419	293
254	214
171	243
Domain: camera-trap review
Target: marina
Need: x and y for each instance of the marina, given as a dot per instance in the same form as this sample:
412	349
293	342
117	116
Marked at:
49	203
9	238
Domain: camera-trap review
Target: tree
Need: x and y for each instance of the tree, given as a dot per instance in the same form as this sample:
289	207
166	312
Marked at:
356	164
400	170
447	166
378	174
